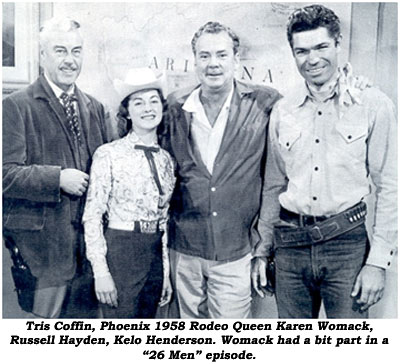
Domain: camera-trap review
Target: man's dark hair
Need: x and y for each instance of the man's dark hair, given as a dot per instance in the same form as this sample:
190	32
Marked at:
213	27
313	17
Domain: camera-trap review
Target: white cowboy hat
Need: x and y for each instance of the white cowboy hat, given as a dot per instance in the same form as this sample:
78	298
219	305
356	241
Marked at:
138	79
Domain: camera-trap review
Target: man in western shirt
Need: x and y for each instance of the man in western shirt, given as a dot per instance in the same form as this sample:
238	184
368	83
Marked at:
50	131
325	141
217	133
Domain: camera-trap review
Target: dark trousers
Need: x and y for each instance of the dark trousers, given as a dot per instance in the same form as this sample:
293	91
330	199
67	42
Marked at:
323	272
135	263
80	300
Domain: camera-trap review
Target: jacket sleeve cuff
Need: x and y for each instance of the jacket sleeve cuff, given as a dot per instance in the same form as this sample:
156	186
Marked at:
265	245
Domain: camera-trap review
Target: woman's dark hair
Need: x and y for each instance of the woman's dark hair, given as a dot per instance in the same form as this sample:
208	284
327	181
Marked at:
125	122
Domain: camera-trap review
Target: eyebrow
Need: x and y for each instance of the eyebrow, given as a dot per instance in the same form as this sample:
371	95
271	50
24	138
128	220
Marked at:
64	47
322	44
218	51
314	47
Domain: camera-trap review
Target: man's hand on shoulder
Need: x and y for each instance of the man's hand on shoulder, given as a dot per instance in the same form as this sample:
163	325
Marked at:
73	181
369	286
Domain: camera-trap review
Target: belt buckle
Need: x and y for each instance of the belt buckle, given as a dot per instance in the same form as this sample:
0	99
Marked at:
316	235
148	227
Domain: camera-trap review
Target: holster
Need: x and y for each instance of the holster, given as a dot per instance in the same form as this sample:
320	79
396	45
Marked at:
270	272
24	281
326	229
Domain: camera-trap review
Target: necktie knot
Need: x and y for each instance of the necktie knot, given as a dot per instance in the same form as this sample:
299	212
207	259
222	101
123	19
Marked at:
68	98
64	96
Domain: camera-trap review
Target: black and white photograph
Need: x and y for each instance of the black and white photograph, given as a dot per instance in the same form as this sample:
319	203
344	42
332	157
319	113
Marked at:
199	160
8	35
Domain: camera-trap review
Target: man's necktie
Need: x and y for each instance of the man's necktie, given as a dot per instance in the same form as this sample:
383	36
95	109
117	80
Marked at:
148	152
72	117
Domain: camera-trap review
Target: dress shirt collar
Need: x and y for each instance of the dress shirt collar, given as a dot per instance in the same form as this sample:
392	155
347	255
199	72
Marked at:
57	91
193	103
240	88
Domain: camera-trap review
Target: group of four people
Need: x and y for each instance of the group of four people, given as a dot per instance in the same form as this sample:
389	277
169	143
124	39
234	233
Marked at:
202	189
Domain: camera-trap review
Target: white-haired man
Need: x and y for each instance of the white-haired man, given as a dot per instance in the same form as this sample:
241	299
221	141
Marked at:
50	131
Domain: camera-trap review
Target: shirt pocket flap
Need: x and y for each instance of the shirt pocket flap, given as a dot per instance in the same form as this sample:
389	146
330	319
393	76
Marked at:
351	132
288	137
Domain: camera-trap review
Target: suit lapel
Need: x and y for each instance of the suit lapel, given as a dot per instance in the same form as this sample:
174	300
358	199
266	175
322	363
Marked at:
85	117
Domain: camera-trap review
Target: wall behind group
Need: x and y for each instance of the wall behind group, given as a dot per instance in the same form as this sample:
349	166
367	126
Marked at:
123	35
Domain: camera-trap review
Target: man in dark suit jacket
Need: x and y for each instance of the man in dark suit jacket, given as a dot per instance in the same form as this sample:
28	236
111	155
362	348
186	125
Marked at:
217	134
50	131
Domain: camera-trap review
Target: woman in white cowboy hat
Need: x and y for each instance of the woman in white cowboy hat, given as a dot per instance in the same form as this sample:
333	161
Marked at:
126	211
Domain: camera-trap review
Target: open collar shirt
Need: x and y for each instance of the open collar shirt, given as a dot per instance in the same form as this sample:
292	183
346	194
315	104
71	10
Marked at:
122	187
322	156
213	214
208	138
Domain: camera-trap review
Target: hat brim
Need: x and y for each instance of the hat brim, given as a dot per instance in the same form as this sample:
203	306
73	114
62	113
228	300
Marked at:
124	89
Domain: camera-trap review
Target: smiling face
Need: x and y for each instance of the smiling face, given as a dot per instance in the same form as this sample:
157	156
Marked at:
316	54
61	57
145	110
215	61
